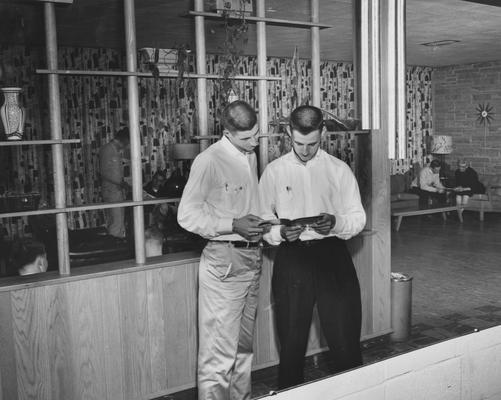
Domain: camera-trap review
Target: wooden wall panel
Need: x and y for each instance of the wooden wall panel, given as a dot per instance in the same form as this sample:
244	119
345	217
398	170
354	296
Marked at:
265	346
135	334
362	261
128	336
88	347
156	329
60	343
180	348
29	309
113	344
8	373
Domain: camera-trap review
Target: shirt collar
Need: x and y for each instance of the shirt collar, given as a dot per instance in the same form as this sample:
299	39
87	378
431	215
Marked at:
230	148
293	158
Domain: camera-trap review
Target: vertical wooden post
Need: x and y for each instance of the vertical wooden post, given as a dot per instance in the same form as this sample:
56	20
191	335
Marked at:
379	21
401	80
56	134
262	85
201	69
315	55
135	140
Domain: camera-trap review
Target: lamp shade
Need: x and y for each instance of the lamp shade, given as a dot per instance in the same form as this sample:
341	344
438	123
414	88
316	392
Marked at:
441	144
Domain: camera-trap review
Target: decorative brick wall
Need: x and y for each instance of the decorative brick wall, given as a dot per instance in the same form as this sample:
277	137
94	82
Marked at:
457	92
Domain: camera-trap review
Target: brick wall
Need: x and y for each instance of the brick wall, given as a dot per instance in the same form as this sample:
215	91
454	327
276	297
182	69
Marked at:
457	92
463	368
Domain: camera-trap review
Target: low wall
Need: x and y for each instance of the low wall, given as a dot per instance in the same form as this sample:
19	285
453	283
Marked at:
464	368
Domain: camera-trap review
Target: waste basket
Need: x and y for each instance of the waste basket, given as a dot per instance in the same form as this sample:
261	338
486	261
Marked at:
401	306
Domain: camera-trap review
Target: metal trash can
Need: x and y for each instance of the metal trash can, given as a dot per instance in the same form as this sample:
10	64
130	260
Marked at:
401	306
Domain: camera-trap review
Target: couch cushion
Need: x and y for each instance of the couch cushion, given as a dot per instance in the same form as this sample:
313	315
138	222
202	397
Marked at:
407	196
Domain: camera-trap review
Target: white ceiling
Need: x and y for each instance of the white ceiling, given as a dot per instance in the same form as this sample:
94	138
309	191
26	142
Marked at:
99	23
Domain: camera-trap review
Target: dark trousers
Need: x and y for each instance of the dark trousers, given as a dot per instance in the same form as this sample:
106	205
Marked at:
429	199
322	272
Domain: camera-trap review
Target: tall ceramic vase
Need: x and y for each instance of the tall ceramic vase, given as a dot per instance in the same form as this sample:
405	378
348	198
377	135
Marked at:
12	114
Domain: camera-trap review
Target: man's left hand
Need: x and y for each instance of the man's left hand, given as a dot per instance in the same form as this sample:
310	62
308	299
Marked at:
325	224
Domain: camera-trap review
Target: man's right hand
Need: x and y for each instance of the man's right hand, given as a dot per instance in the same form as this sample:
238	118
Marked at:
291	233
248	227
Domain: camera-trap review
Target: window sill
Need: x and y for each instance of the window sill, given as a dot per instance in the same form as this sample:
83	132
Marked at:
98	270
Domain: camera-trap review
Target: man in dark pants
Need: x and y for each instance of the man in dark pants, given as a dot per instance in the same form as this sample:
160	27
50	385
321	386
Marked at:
312	264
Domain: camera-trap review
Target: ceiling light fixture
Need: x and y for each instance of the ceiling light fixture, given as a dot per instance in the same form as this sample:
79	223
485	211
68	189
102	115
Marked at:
439	43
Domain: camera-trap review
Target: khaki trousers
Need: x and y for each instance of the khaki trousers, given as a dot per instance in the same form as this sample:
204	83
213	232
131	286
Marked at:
227	303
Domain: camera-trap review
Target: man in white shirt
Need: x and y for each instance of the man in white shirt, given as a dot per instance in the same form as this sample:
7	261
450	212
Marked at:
428	186
113	186
312	264
220	203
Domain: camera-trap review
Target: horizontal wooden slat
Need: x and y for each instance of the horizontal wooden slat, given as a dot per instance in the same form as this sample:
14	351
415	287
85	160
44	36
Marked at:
270	21
173	74
96	206
33	142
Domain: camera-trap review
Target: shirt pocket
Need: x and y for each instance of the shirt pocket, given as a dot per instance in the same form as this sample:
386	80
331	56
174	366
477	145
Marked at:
285	200
233	194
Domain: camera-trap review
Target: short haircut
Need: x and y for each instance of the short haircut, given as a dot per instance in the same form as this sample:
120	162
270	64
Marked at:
435	164
306	119
239	116
159	173
123	135
25	251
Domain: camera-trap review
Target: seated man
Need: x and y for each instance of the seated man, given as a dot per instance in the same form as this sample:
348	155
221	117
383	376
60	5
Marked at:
155	187
28	257
428	186
467	183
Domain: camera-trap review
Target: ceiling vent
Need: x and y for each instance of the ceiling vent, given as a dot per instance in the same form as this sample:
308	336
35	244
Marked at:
439	43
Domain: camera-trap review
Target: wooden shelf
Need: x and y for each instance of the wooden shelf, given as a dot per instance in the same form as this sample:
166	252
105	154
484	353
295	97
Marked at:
32	142
96	206
173	74
270	21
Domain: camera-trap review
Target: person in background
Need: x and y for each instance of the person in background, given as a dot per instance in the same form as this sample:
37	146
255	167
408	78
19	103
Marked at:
155	187
428	186
467	183
220	203
312	263
28	257
113	186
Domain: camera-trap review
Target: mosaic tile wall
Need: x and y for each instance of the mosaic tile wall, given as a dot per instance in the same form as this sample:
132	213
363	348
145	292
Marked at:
94	108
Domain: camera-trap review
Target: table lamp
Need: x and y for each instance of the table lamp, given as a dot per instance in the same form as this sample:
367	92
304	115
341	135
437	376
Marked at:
441	145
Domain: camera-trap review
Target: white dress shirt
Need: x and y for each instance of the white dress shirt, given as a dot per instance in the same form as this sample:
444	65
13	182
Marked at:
290	189
428	180
222	186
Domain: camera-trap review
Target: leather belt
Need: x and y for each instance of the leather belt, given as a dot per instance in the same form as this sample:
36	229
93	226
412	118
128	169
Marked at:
239	244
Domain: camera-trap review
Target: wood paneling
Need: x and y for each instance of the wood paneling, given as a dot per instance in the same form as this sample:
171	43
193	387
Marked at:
126	336
30	333
135	334
8	374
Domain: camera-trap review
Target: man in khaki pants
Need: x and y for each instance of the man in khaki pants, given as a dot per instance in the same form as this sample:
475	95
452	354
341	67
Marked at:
220	203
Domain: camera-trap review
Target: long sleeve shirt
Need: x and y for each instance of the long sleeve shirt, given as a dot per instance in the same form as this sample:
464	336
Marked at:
222	186
290	189
428	180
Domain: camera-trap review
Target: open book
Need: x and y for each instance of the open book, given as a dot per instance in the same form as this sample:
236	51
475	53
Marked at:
292	222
